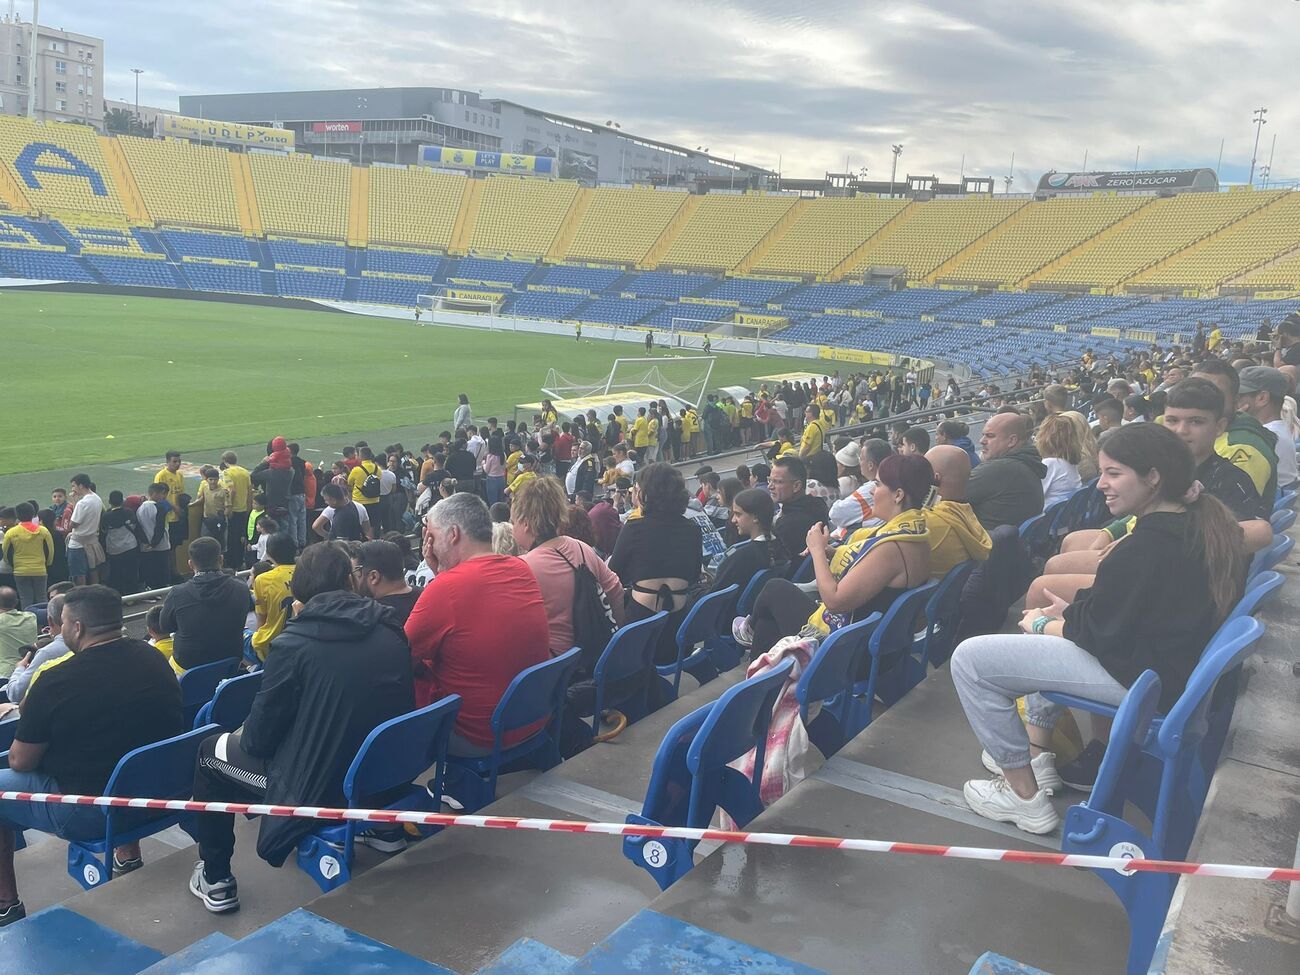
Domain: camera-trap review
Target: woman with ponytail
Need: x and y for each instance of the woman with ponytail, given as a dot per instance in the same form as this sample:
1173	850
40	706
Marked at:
1155	603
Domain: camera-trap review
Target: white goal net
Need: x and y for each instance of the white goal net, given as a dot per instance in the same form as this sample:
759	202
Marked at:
684	379
482	303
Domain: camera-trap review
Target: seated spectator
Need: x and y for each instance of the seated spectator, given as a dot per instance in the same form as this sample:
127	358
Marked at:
340	668
112	695
26	669
1245	442
859	578
1109	413
17	630
956	535
658	555
916	441
159	638
342	519
538	516
752	512
458	646
1087	444
854	511
848	462
1260	395
1156	601
380	571
270	590
605	522
1007	487
206	614
798	511
1137	409
957	433
1059	446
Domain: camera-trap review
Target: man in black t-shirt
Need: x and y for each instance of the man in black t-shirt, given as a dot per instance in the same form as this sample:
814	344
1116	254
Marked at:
80	715
206	615
380	574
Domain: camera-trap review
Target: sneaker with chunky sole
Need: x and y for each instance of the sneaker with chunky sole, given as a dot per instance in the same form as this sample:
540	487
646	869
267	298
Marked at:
384	840
218	897
122	867
1044	766
742	631
14	912
995	799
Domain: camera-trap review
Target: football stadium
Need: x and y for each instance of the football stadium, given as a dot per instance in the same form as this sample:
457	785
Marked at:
961	637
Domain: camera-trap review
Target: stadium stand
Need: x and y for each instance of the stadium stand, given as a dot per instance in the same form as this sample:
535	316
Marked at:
667	284
685	318
59	168
304	283
542	304
750	292
236	279
418	263
614	311
621	225
519	216
723	229
300	196
413	207
183	183
595	279
818	297
1282	273
825	233
490	271
926	235
309	254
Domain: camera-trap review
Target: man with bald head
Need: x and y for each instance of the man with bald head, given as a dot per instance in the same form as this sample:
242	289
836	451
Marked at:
1007	487
955	533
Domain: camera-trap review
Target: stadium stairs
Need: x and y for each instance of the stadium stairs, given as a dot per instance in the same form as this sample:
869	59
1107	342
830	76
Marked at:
569	225
854	257
994	233
1103	239
766	242
660	247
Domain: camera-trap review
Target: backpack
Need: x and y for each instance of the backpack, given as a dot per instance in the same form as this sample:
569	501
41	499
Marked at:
593	619
370	487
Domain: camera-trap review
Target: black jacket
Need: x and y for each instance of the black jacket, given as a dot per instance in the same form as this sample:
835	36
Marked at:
207	616
1007	490
341	667
797	516
275	483
1149	607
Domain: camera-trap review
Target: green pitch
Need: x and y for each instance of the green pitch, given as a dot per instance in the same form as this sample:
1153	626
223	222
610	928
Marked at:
97	379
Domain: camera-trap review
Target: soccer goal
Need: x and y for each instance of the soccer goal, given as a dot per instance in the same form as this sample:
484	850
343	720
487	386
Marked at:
480	303
693	333
684	379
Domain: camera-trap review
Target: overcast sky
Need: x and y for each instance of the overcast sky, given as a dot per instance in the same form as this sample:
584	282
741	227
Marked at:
805	84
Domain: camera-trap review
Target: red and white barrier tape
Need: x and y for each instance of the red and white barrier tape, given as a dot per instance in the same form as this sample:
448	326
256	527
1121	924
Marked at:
1121	864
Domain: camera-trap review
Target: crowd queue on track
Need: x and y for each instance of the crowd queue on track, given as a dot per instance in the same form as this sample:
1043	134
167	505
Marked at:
532	538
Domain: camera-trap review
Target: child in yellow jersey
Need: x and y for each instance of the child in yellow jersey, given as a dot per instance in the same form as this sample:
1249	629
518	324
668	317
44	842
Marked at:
159	639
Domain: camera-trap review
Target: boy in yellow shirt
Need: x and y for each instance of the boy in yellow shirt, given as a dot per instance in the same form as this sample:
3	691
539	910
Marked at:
270	590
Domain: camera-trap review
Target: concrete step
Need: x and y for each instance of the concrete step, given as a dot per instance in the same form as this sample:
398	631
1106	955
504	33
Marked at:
58	941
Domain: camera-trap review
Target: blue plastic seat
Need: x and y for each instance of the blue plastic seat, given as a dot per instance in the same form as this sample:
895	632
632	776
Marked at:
691	777
1267	558
199	684
702	626
1284	500
387	763
828	679
232	702
7	730
630	654
1283	518
163	770
536	694
943	615
804	571
725	652
1154	769
893	666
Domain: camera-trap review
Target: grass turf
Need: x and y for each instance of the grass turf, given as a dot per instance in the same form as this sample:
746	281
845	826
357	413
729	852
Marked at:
102	378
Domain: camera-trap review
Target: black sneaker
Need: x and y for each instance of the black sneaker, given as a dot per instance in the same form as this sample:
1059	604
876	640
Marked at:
219	896
384	839
14	912
123	867
1081	773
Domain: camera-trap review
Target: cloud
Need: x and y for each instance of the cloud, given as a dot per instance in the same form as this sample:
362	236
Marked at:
806	83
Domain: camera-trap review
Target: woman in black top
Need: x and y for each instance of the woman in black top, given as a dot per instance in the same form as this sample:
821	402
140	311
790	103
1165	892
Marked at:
752	511
1157	600
658	555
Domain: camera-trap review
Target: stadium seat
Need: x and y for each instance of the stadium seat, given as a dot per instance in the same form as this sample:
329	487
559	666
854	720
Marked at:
183	183
1267	558
943	616
199	684
536	694
191	243
521	215
231	703
163	770
825	233
892	667
414	207
1282	519
300	195
621	677
723	229
621	225
931	233
702	626
827	682
691	777
667	284
391	758
88	188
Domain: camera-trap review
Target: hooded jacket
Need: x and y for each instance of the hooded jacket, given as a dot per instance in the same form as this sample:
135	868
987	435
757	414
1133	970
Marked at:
206	616
955	537
1250	445
341	667
29	548
1007	490
279	458
965	444
275	476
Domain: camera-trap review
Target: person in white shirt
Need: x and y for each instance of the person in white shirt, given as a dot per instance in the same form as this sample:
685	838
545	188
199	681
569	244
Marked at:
85	553
622	462
1058	445
1263	390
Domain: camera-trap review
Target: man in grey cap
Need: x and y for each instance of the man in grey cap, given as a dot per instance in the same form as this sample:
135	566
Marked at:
1262	390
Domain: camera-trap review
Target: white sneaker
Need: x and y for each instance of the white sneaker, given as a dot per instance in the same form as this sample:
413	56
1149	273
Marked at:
1044	766
995	799
742	631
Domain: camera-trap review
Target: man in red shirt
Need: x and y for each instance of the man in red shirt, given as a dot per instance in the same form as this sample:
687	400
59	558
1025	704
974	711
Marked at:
562	450
476	625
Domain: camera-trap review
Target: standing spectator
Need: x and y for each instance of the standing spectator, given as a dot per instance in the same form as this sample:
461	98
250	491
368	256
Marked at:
340	668
111	696
25	672
380	571
1007	487
122	545
458	648
275	477
463	415
582	473
155	542
85	553
29	550
206	614
563	450
171	476
17	630
214	505
296	502
241	502
342	519
270	590
494	469
57	519
365	482
799	510
389	493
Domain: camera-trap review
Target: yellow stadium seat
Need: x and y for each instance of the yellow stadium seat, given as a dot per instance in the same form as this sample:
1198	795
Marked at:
723	229
413	207
183	183
59	167
1043	231
520	215
1283	274
621	225
300	196
933	232
826	232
